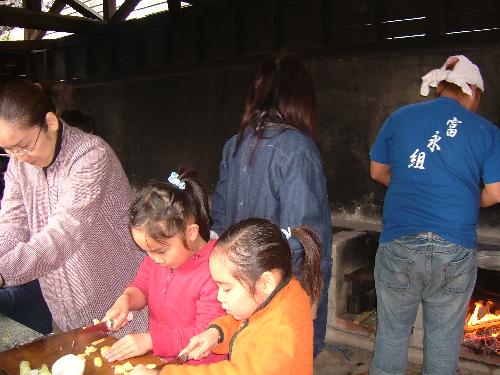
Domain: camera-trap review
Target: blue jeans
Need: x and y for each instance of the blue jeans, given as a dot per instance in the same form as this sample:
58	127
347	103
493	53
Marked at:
427	269
26	305
322	314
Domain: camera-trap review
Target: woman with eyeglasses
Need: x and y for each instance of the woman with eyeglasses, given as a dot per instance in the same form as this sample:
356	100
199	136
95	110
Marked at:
64	212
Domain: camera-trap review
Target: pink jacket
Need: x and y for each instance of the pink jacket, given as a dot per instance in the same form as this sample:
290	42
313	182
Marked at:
181	302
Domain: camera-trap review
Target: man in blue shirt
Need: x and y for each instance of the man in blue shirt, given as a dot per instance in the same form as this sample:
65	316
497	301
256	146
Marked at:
432	156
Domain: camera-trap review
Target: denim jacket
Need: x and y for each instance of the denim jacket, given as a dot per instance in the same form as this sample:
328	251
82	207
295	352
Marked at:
281	179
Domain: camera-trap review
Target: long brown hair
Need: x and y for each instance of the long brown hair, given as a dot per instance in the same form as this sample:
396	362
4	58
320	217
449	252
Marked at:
162	209
282	86
254	246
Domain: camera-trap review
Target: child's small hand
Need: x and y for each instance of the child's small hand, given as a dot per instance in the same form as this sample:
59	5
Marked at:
118	312
143	370
129	346
199	346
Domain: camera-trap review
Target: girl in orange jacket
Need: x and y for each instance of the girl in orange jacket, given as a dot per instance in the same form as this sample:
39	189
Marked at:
268	329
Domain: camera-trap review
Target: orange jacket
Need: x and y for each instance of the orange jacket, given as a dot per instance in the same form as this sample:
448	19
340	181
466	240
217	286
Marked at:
277	339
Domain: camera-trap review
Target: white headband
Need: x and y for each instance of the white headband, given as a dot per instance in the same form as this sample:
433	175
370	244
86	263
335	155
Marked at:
463	74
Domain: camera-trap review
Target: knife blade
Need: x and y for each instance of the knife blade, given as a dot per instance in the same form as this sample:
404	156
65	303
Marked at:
106	326
100	327
179	360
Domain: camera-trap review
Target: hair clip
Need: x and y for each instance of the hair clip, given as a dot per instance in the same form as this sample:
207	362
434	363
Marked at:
174	180
287	232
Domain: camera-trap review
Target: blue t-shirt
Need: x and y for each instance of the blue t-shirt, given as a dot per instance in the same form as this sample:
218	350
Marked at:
438	152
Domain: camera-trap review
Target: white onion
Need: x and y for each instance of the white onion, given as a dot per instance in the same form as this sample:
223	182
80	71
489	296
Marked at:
68	365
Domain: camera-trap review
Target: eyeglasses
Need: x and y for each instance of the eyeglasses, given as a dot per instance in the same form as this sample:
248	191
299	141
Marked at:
22	151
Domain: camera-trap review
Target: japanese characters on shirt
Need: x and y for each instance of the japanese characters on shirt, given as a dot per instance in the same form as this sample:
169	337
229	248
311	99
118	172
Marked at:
417	158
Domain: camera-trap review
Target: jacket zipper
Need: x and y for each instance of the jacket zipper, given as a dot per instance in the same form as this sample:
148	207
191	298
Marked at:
165	289
243	326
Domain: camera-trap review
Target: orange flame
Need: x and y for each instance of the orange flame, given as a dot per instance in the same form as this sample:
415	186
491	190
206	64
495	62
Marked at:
474	319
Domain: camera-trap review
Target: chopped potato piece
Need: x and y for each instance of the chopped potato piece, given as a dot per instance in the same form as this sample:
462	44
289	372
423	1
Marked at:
44	370
97	342
90	349
24	367
97	362
151	366
119	369
127	366
96	321
104	350
81	355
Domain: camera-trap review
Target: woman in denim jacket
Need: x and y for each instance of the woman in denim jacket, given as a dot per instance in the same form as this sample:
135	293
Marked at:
272	168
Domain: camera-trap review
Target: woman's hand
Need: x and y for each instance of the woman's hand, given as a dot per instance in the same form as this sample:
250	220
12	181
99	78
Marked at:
118	312
143	370
199	346
130	346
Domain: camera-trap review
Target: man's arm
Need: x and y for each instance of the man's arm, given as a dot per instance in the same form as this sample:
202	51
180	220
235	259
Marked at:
490	195
380	172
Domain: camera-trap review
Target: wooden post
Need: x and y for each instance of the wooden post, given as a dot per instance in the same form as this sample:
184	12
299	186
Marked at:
108	9
436	17
36	6
174	8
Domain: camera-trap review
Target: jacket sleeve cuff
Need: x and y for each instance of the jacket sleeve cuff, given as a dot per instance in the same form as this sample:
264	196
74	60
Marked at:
221	332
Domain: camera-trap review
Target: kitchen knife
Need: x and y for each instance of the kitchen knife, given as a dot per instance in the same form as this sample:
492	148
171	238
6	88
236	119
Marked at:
102	327
179	360
106	326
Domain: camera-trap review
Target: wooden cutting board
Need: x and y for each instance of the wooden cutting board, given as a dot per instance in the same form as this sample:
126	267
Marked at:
48	349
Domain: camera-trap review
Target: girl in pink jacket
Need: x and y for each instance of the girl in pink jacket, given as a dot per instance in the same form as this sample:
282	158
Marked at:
171	223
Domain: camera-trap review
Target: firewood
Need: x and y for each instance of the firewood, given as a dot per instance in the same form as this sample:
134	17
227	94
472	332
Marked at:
482	325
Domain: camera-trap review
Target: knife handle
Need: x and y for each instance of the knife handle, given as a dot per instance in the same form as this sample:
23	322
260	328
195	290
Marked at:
179	360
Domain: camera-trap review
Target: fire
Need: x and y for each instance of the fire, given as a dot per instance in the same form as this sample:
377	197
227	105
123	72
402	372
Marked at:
482	330
487	317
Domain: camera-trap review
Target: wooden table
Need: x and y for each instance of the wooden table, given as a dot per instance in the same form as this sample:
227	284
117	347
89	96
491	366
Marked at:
50	348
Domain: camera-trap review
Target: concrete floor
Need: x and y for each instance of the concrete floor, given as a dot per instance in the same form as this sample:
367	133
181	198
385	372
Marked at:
339	359
333	362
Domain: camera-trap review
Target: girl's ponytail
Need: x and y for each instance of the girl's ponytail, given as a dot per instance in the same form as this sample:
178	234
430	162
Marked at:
310	277
199	198
163	209
255	245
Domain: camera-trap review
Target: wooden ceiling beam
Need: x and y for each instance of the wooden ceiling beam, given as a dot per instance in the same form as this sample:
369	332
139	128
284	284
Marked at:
124	10
225	4
174	7
36	6
17	17
28	45
108	9
56	8
83	9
